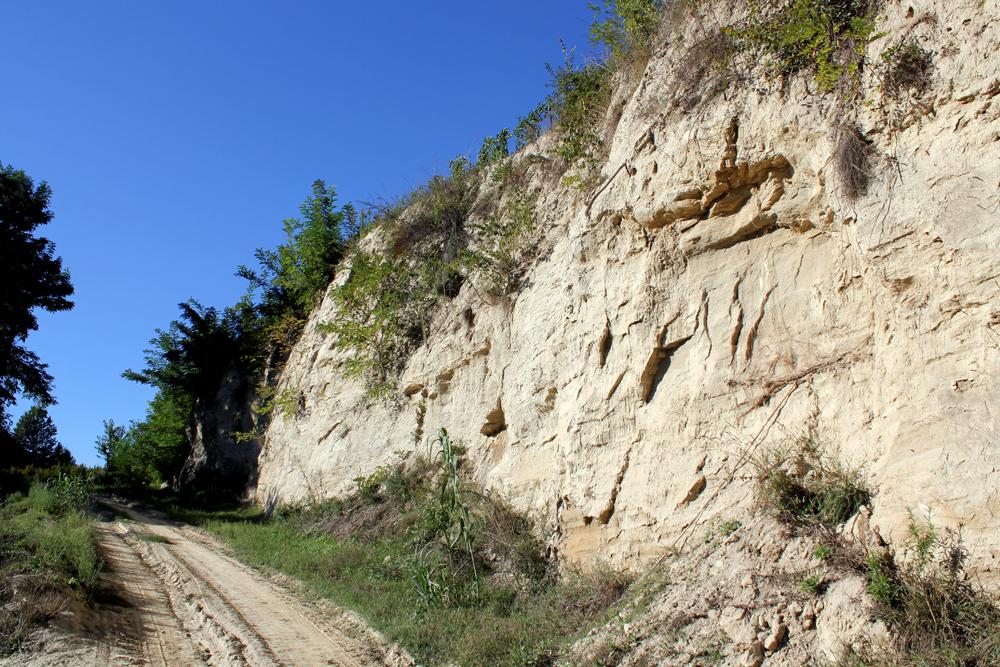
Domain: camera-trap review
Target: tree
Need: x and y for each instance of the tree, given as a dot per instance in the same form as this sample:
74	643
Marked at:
125	462
110	441
194	352
292	276
31	277
161	435
37	442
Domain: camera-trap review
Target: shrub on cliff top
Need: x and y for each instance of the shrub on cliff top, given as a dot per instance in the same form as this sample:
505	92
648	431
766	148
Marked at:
578	101
624	27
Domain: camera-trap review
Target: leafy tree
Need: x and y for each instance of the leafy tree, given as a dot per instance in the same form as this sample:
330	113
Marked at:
36	439
194	352
291	278
162	434
110	440
188	360
10	452
31	277
125	463
297	271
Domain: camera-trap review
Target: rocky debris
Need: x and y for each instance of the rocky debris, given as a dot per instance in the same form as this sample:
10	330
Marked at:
741	602
776	638
754	656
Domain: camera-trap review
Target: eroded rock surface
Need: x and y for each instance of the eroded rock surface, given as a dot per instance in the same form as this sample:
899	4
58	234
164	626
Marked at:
718	295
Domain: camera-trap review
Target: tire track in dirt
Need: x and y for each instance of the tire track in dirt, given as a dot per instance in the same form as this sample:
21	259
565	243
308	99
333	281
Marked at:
147	628
196	605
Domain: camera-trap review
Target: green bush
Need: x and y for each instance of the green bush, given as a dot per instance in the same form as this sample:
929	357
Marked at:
499	253
128	461
70	493
382	314
936	613
883	582
624	27
529	128
293	276
804	486
830	36
383	309
494	149
578	101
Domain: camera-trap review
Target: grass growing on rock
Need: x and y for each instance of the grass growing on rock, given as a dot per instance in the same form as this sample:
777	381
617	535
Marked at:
448	571
936	611
805	486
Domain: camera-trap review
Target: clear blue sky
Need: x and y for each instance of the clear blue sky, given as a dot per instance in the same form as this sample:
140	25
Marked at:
177	135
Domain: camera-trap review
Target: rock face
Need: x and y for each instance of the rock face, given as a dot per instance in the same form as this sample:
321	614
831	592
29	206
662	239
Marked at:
218	464
716	295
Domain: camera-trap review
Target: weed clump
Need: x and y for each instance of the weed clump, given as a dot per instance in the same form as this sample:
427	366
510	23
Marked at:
805	486
937	615
812	585
905	66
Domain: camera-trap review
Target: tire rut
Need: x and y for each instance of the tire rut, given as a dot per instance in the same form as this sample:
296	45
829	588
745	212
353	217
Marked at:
196	605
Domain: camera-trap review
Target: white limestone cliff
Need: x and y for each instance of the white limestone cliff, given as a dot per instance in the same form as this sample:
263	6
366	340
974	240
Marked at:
717	294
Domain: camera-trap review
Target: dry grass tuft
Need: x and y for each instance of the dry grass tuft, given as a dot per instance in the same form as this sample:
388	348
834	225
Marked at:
852	160
906	66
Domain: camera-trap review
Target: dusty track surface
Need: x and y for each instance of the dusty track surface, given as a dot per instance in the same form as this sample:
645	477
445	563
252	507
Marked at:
185	601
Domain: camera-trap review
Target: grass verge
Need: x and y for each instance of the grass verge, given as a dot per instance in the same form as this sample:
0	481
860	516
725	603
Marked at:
447	571
47	557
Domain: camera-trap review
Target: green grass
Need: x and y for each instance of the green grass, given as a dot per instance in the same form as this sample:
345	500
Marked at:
504	628
823	552
47	554
813	585
50	541
496	599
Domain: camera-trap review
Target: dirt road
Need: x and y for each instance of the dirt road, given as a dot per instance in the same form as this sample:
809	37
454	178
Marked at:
184	601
